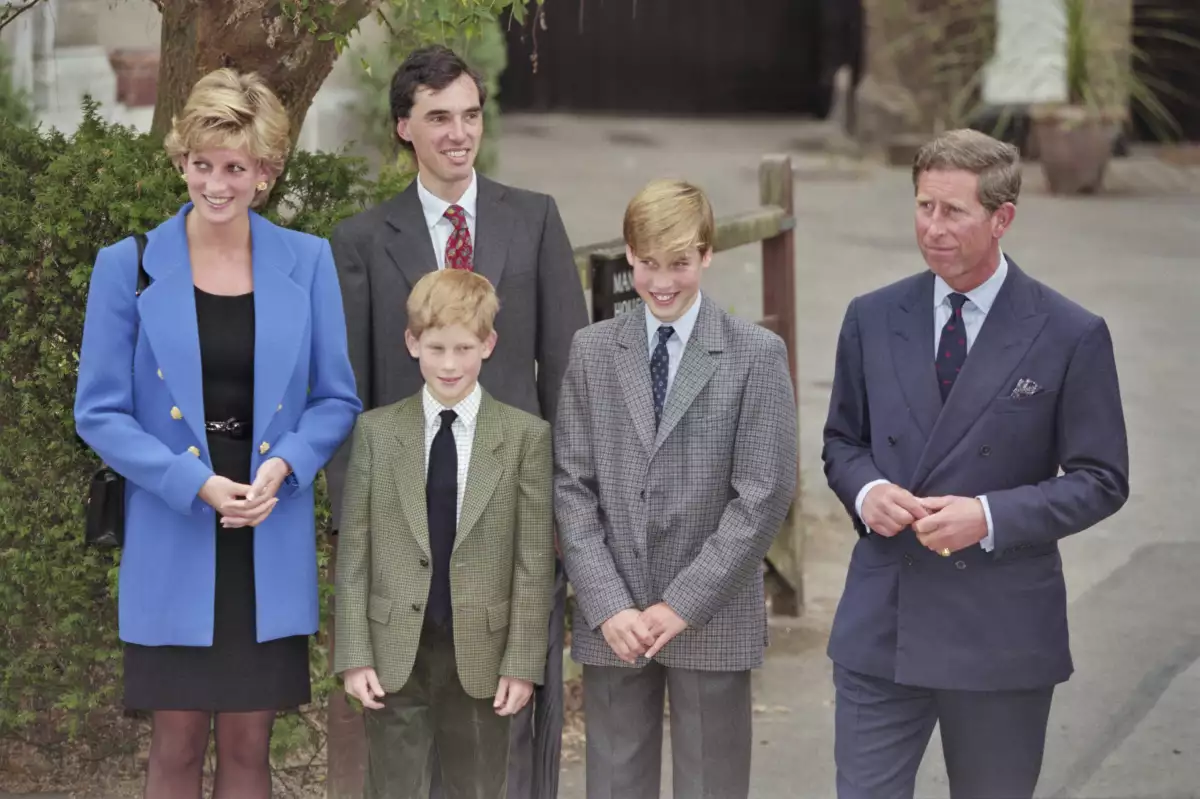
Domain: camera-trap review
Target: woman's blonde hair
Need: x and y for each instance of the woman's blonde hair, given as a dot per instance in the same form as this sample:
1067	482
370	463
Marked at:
228	109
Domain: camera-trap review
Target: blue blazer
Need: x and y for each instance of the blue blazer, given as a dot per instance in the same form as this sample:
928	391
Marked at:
140	360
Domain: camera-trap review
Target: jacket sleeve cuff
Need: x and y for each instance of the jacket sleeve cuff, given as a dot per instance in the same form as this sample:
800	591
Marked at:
300	456
182	482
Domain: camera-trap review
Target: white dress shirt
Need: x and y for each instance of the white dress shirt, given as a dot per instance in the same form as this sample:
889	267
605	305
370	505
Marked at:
975	310
676	343
463	429
439	226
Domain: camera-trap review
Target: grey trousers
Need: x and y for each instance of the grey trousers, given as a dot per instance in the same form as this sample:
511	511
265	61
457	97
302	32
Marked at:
432	713
535	737
710	732
992	740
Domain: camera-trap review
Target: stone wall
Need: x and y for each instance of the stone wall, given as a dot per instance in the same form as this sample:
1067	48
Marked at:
924	62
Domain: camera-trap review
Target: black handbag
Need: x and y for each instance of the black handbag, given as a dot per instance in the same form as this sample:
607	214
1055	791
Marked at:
104	514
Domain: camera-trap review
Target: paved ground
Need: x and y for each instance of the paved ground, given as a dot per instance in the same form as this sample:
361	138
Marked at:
1125	725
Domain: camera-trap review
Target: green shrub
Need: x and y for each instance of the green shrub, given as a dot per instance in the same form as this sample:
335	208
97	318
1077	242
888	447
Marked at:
61	199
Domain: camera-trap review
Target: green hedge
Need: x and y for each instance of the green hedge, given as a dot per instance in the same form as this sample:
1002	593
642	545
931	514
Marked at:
61	199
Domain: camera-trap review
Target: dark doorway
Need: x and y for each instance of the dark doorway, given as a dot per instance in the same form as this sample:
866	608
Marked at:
679	56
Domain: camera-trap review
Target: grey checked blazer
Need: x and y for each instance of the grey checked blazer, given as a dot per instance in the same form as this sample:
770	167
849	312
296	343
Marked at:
685	514
502	567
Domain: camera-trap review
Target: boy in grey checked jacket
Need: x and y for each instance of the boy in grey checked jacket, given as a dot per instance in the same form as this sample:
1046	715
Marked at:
675	464
445	568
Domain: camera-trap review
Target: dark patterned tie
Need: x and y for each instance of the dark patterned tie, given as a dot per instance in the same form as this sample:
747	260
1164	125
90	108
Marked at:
660	366
952	348
441	500
459	253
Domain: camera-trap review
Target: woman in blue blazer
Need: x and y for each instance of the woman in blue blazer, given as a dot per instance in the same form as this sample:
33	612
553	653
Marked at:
219	393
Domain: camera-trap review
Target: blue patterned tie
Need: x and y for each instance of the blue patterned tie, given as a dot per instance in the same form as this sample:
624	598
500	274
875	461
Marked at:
952	346
660	365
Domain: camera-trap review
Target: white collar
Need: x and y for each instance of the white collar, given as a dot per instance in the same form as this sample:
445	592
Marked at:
435	207
467	408
982	295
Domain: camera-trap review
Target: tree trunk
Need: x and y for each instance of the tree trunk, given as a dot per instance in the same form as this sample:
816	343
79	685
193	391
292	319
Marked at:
199	36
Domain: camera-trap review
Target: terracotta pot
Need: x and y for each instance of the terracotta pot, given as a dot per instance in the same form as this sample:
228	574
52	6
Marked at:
137	76
1074	146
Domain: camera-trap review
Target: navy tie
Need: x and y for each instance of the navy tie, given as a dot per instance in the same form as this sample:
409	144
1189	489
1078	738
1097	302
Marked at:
952	348
441	497
660	365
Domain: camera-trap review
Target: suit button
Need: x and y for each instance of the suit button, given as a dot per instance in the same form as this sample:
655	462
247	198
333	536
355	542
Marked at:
643	495
424	563
264	448
195	451
160	377
176	414
416	606
985	450
279	407
908	561
891	440
960	565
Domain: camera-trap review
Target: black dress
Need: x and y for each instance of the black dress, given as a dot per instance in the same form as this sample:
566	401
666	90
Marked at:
236	673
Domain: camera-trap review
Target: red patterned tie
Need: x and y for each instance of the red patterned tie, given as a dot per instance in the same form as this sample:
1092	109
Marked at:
459	253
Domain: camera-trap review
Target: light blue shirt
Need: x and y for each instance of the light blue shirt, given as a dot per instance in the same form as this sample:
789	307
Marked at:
975	311
675	344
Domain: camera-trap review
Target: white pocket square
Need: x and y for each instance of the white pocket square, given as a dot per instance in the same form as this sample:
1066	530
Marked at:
1024	388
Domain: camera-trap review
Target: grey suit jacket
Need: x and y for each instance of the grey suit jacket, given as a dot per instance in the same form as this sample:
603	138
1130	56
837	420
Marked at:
683	514
975	621
520	245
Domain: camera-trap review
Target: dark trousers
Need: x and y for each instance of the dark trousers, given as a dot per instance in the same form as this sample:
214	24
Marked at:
535	737
710	732
992	740
432	713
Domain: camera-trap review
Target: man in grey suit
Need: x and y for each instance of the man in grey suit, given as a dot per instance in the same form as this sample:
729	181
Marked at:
675	464
959	394
451	217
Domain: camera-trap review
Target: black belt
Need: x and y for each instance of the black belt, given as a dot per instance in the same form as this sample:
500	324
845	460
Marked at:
234	428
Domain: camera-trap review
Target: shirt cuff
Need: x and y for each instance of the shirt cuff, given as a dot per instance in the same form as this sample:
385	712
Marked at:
862	495
988	543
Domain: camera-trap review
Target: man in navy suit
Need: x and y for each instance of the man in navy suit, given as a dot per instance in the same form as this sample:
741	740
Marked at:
959	395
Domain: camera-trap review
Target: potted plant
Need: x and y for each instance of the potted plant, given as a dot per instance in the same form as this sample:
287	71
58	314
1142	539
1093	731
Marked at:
1075	139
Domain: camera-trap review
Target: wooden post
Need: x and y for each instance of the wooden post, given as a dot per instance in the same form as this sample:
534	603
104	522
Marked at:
779	254
785	583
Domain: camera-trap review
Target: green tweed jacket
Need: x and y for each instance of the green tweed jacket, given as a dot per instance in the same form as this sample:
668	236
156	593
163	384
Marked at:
502	566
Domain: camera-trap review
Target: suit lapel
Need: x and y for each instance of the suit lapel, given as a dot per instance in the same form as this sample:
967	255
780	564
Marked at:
494	221
411	249
1009	330
696	368
281	312
484	473
633	372
410	469
167	310
912	353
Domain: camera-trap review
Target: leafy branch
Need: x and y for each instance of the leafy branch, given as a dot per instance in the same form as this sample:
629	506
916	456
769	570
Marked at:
10	11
